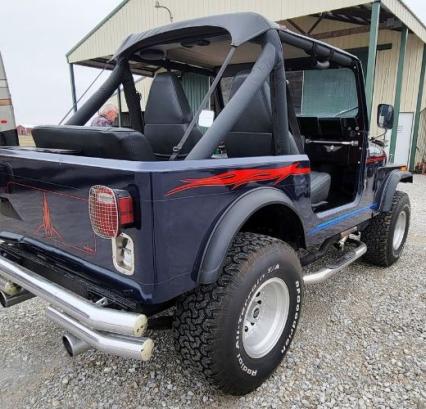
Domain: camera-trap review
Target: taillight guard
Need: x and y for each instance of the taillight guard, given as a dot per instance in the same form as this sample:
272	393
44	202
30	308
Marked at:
109	210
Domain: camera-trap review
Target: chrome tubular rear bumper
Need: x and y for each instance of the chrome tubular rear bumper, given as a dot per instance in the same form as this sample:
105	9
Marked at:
92	315
107	329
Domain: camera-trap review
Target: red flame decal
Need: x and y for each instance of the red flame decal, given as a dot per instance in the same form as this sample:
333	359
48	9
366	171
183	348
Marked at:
240	177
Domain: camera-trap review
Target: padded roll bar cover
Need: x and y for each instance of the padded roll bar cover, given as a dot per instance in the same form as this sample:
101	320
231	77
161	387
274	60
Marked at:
235	107
231	222
258	115
389	187
321	50
252	133
97	142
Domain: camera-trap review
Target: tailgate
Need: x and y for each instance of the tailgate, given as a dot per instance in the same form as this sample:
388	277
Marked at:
44	197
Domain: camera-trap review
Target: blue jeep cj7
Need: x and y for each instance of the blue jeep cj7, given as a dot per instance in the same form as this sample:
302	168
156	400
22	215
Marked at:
210	214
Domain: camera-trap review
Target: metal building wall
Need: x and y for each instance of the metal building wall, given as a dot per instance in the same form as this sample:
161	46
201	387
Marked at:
421	141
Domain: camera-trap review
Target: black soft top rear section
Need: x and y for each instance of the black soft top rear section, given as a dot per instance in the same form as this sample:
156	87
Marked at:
241	27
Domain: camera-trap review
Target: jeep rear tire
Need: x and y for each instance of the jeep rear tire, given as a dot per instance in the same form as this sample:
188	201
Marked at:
386	234
237	330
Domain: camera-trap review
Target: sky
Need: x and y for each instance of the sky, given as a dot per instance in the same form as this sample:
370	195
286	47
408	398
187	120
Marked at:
34	38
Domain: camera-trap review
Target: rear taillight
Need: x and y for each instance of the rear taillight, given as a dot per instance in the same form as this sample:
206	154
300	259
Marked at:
109	210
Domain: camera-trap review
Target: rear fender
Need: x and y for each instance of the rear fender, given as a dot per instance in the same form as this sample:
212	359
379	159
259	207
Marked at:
230	224
389	187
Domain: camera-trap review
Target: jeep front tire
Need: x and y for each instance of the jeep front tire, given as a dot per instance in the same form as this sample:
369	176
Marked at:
386	234
237	330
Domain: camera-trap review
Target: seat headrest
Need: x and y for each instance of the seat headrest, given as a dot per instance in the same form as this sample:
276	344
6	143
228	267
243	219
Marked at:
257	117
167	103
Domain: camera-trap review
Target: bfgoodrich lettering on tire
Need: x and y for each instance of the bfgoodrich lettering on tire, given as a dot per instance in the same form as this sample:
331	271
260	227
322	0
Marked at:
237	331
386	234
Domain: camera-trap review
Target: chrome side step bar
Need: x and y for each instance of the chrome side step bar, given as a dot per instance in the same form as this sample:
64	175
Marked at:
92	315
127	347
331	269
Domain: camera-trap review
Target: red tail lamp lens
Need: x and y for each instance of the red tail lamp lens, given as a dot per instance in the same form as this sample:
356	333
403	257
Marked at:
109	210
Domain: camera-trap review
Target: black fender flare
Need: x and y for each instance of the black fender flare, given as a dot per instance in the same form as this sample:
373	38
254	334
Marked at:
230	223
389	187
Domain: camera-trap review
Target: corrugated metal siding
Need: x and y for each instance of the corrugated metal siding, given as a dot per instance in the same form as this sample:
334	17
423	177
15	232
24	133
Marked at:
407	17
421	141
195	87
424	96
411	78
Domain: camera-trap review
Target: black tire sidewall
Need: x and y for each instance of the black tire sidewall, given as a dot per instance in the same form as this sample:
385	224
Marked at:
402	205
239	366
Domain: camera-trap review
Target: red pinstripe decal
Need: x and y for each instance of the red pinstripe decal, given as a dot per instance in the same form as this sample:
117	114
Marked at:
47	229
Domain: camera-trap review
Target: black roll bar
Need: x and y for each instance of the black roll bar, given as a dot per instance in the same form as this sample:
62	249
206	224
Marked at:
132	99
268	60
92	105
206	98
322	52
278	86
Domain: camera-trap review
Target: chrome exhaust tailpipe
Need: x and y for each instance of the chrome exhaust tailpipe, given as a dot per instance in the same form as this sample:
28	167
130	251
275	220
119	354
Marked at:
9	288
74	346
127	347
7	300
92	315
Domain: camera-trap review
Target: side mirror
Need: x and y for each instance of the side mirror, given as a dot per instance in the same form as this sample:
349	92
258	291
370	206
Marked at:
385	116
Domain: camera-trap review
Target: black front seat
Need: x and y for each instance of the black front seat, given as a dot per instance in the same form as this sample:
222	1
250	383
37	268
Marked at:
252	136
167	116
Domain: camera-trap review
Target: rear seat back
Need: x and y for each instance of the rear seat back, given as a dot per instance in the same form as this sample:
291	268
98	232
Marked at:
97	142
167	116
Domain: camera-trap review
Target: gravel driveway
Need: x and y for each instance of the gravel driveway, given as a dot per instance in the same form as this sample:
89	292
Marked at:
360	344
